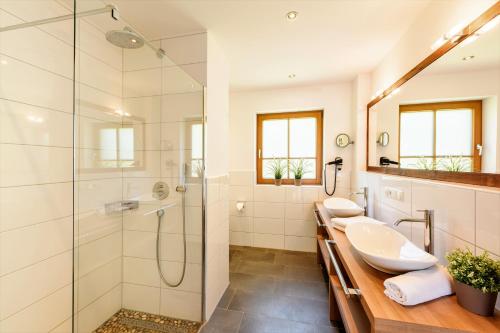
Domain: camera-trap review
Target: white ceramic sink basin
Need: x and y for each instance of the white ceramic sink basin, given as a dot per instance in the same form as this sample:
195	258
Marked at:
386	249
340	207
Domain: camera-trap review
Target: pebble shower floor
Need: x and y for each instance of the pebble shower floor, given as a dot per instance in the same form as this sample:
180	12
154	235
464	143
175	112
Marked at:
130	321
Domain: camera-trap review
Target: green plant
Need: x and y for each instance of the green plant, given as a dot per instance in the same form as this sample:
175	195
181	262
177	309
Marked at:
277	167
480	272
425	164
300	168
454	164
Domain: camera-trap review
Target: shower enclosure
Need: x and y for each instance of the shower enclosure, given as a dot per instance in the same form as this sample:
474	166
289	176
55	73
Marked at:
101	173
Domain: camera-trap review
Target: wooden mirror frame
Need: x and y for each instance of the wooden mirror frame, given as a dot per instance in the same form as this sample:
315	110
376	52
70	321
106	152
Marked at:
473	178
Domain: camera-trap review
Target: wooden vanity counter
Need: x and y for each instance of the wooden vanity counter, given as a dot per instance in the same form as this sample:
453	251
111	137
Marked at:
380	313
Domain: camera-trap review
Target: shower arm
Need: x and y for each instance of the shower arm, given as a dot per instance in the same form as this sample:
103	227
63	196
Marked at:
109	8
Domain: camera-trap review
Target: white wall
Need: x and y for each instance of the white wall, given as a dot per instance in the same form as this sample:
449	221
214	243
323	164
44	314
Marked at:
217	173
436	19
282	217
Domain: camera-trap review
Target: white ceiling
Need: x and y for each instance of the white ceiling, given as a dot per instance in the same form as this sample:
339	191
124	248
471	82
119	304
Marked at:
330	41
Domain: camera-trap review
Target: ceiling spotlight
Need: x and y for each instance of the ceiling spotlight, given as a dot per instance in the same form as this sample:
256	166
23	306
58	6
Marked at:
291	15
468	58
291	76
133	40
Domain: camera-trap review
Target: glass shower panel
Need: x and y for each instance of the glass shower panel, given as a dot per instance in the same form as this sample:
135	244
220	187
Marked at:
36	167
140	162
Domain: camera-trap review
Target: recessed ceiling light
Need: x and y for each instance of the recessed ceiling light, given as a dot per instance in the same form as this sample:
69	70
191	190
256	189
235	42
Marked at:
468	58
291	15
133	40
291	76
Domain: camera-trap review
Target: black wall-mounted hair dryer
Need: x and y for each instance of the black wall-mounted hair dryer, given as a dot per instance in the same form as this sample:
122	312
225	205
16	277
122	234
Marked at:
384	161
338	162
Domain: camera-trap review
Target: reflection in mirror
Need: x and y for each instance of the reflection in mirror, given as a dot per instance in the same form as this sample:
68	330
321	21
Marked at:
445	118
383	139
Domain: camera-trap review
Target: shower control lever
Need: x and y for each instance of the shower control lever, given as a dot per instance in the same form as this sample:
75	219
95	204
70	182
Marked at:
180	188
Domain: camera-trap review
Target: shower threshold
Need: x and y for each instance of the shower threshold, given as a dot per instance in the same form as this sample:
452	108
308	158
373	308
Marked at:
128	321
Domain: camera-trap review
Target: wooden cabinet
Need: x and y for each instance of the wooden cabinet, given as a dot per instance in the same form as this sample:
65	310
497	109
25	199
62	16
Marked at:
357	299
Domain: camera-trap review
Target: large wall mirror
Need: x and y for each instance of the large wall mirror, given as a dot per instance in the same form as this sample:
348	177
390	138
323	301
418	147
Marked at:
443	119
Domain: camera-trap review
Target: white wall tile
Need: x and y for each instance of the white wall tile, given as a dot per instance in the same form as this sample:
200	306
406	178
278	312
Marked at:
305	228
99	311
299	211
99	282
305	244
488	221
445	243
97	74
269	210
141	58
25	124
180	304
42	316
28	165
141	298
186	49
269	241
18	290
146	108
50	202
181	107
241	223
31	244
140	271
176	80
453	208
268	226
269	193
240	193
172	272
245	178
142	83
92	255
240	238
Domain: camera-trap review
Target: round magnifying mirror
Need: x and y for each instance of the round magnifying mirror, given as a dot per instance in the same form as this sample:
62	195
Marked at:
343	140
383	139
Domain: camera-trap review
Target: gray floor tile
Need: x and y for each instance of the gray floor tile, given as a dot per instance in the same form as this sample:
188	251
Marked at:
304	289
250	282
260	268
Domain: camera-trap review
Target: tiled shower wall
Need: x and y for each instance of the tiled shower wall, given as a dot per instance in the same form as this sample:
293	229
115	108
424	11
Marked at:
36	224
163	102
279	217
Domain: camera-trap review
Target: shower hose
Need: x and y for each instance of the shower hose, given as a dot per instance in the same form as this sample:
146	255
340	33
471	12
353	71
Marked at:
160	214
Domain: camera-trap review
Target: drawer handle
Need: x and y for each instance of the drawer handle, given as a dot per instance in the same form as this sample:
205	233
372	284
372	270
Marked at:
317	220
347	291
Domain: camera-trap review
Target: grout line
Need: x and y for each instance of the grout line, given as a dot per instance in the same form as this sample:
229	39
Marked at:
36	224
98	298
162	66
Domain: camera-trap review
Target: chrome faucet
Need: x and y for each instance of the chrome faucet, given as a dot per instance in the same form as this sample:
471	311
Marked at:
363	191
429	221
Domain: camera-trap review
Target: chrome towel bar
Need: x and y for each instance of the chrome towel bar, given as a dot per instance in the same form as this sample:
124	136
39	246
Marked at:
347	291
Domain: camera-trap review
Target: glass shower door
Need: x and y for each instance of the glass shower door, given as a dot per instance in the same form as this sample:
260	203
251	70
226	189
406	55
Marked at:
138	236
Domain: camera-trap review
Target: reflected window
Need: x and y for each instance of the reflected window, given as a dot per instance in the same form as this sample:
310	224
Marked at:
441	136
116	147
290	139
196	150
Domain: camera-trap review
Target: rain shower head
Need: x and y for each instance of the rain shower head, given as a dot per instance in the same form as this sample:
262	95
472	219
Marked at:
126	39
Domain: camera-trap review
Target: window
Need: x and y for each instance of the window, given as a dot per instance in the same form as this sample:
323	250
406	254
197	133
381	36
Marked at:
116	147
289	138
440	136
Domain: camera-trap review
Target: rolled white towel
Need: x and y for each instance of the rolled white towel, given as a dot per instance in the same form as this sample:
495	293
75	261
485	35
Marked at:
341	223
419	286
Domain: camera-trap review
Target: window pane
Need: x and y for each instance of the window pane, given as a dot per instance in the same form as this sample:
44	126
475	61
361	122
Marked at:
448	124
421	163
267	168
275	138
197	141
456	163
303	137
108	144
309	168
126	143
417	133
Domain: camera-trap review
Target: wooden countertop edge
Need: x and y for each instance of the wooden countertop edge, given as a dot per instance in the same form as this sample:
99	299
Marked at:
378	319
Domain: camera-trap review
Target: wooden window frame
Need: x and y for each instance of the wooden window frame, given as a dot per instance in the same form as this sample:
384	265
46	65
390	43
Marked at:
477	110
318	115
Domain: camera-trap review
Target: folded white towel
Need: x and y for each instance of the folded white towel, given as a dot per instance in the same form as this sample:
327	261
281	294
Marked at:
419	286
341	223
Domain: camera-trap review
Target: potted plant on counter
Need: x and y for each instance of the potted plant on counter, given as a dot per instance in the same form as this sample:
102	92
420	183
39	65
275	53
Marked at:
299	168
477	280
277	168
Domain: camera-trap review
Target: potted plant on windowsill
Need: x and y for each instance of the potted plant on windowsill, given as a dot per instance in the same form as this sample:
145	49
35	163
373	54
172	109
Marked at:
277	168
477	280
299	168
